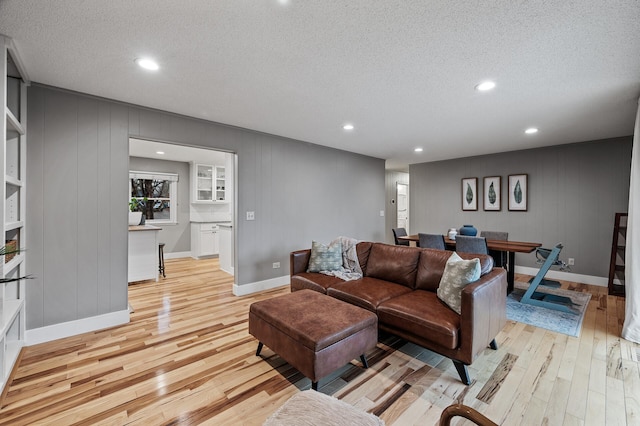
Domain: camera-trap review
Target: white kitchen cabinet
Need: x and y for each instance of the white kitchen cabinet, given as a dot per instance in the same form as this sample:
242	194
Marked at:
226	247
208	183
204	240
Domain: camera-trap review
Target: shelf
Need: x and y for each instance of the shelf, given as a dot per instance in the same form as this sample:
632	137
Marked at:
11	354
618	254
11	311
12	122
12	181
13	91
13	263
10	226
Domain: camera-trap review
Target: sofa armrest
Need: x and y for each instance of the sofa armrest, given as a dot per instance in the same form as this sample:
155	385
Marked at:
299	261
483	313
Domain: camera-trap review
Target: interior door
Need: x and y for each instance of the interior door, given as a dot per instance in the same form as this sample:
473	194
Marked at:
402	197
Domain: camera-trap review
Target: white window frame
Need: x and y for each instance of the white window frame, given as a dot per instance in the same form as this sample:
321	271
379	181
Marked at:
173	193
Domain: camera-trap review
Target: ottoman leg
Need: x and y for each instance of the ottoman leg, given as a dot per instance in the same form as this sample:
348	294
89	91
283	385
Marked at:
363	358
314	386
259	348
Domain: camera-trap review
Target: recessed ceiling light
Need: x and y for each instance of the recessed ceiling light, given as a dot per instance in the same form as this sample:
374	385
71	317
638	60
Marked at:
160	152
348	127
147	64
531	130
485	85
418	149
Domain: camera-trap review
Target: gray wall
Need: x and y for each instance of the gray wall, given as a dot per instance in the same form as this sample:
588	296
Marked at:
574	191
177	238
392	178
77	175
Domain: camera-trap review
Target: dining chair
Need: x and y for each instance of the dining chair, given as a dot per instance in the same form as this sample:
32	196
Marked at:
476	245
499	257
400	232
435	241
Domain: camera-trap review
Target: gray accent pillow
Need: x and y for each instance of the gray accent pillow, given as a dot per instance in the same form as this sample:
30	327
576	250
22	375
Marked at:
325	258
458	273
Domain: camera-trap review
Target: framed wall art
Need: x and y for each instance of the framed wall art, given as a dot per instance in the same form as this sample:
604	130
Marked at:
470	194
518	193
492	193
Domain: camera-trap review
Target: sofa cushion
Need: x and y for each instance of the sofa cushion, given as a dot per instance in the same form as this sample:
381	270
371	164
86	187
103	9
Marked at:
363	248
421	313
325	258
458	273
397	264
367	292
313	281
432	264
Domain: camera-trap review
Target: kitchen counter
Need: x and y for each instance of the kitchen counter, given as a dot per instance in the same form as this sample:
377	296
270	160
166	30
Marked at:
144	228
143	253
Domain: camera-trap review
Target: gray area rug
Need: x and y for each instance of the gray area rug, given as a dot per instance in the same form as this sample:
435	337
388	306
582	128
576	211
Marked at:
561	322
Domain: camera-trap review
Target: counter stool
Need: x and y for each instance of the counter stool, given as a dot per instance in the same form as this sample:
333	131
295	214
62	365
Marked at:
161	259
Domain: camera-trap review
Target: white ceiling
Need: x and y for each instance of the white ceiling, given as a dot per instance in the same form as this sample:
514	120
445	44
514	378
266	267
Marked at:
172	152
401	71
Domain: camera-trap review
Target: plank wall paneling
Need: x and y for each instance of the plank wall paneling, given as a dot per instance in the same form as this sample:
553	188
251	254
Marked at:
77	199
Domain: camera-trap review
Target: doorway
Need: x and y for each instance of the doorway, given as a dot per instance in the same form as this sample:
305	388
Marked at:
202	218
402	206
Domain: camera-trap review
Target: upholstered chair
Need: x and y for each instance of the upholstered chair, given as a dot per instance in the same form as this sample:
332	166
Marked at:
499	257
400	232
466	244
435	241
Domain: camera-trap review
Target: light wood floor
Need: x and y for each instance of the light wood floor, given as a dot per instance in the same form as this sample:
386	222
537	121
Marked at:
186	358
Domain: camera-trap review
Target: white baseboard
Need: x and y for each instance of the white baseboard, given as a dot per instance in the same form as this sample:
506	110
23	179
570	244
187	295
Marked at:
71	328
228	271
177	255
566	276
244	289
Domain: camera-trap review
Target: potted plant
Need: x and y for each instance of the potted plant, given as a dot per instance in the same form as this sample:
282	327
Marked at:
135	215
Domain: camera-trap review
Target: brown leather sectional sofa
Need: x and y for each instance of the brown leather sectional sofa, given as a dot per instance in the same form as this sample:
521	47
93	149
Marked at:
400	284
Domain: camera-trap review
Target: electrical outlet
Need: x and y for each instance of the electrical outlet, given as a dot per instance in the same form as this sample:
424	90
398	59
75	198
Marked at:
381	213
571	261
276	265
251	215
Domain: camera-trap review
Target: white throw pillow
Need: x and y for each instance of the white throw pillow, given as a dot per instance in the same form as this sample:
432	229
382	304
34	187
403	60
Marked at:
458	273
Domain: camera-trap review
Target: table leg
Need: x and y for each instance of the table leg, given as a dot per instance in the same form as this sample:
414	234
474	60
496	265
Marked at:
511	272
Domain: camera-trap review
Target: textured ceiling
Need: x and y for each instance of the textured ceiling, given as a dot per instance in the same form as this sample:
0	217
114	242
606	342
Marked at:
402	72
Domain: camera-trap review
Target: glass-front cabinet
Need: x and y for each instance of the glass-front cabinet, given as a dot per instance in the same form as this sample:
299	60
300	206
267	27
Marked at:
208	183
204	182
220	184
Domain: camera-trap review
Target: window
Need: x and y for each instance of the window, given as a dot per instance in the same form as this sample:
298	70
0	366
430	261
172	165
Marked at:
155	195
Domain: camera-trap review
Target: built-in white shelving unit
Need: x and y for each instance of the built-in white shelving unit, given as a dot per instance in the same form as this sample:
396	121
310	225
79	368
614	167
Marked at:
13	92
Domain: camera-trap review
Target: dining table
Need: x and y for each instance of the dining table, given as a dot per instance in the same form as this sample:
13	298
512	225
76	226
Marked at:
507	246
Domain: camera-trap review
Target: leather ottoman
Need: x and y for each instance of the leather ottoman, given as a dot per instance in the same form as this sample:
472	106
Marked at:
313	332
